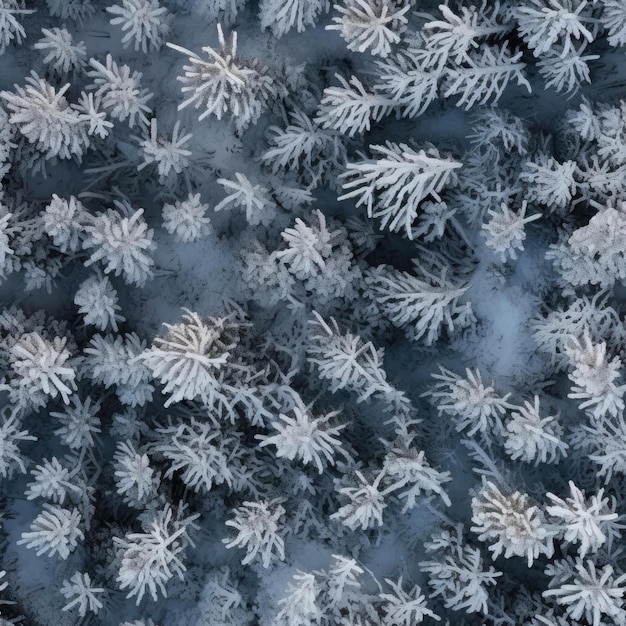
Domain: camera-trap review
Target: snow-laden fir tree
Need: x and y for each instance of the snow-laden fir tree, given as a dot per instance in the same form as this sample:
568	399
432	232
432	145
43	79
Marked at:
494	126
408	471
594	254
588	592
189	358
374	25
305	148
403	79
595	377
45	118
350	108
11	30
545	24
553	332
254	199
405	608
11	434
460	32
258	526
54	530
425	304
76	10
59	50
511	523
319	256
64	219
456	572
311	440
186	219
43	368
53	481
588	522
113	360
223	84
566	72
79	423
393	183
169	155
345	359
144	22
504	231
613	19
198	453
135	479
82	595
122	241
485	76
281	16
549	182
532	437
366	503
150	559
300	606
119	90
97	302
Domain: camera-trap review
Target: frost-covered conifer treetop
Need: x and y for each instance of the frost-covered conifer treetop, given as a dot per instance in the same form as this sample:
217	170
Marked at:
312	312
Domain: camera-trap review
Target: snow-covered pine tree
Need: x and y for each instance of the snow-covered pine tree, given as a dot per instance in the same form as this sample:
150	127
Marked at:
460	32
45	118
595	377
531	437
549	182
303	147
150	559
54	530
456	572
405	608
393	185
366	503
280	16
254	199
43	368
144	22
123	242
59	50
403	79
188	360
64	220
373	25
11	458
589	522
516	526
424	304
311	440
258	526
197	452
79	423
170	155
97	302
81	594
224	85
587	592
350	108
186	219
76	10
11	12
470	403
504	231
119	91
485	76
135	479
546	24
